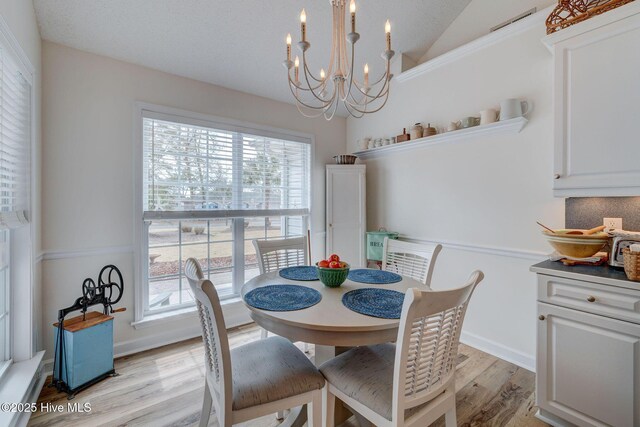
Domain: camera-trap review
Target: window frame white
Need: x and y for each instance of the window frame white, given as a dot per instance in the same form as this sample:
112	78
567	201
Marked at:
148	110
22	260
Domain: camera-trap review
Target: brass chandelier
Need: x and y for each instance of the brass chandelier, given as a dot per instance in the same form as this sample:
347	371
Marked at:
320	95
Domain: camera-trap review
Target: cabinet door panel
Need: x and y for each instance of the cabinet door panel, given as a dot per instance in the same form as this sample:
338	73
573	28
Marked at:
588	368
346	216
596	110
603	110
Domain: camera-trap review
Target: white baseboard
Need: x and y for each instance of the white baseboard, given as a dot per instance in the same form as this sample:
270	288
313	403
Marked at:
511	355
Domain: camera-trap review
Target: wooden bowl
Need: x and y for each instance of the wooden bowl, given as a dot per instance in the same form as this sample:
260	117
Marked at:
576	246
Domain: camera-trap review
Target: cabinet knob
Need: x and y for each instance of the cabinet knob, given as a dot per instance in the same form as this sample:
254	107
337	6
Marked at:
556	176
591	298
330	225
541	317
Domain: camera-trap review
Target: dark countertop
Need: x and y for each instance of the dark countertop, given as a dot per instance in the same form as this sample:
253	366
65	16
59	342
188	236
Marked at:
599	274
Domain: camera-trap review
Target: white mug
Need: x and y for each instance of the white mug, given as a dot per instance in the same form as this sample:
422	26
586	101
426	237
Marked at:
452	126
513	108
488	116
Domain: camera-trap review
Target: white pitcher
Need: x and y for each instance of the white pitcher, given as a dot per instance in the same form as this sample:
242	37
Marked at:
513	108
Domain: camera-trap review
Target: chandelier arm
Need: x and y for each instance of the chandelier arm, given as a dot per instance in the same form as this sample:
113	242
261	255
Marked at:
352	114
305	70
306	67
323	106
313	90
300	101
309	116
335	108
383	77
366	99
298	86
386	98
382	89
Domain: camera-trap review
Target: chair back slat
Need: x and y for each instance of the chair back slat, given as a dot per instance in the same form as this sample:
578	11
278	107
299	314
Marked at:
427	346
214	336
410	259
280	253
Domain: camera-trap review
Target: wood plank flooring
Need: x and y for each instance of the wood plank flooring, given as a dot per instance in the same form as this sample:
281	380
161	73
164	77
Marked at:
164	387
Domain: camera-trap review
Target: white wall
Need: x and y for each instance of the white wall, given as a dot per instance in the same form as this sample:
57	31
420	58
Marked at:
20	17
88	169
484	194
477	19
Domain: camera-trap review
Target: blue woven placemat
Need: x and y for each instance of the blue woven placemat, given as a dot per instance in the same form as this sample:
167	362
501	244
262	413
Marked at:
374	277
282	297
302	272
382	303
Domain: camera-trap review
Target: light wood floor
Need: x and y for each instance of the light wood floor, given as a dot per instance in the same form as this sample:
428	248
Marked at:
164	387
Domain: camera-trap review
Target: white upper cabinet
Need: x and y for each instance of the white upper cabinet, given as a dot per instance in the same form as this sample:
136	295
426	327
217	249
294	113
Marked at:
596	98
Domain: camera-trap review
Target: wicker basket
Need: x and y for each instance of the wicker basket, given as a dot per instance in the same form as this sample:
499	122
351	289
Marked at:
632	264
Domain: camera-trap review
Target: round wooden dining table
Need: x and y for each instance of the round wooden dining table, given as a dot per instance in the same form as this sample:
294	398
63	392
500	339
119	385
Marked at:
331	326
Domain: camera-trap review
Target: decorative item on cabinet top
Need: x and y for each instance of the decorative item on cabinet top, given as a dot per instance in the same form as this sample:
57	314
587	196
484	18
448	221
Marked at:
345	159
570	12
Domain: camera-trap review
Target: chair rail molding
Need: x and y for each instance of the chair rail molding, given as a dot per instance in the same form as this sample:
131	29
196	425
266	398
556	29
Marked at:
489	250
83	253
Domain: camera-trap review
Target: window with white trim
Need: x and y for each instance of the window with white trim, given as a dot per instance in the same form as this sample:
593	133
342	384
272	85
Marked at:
209	189
15	141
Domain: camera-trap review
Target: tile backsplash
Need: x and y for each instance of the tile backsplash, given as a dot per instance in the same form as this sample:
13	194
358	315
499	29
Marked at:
587	212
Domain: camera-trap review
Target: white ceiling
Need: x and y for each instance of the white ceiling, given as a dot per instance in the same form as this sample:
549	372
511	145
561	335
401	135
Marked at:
239	44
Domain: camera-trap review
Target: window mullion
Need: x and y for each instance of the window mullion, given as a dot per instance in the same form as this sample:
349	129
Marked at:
238	223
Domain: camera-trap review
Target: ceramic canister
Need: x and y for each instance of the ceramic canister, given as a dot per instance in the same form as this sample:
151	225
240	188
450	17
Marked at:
416	131
488	116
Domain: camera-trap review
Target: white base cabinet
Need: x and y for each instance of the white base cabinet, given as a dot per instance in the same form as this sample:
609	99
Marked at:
588	357
346	213
589	368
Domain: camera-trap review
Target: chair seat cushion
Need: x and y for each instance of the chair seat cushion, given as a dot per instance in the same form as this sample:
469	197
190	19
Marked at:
271	369
365	374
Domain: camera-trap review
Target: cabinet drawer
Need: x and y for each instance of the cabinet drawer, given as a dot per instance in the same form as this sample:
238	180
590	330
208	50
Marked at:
610	301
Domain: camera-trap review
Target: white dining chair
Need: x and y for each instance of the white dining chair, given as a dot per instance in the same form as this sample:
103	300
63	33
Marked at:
280	253
253	380
415	260
411	383
275	254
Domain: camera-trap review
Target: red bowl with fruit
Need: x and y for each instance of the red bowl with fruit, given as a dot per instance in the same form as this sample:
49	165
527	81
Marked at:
332	272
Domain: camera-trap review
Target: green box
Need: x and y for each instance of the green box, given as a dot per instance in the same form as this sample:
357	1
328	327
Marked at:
375	243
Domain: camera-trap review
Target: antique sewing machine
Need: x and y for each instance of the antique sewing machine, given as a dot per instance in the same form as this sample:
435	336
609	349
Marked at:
84	344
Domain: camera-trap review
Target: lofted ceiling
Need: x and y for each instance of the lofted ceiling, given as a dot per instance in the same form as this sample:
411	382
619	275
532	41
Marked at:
239	44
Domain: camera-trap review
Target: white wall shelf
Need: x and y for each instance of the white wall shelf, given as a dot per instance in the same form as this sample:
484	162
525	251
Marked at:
535	20
511	126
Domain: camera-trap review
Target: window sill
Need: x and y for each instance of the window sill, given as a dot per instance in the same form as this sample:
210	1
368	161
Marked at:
21	383
233	309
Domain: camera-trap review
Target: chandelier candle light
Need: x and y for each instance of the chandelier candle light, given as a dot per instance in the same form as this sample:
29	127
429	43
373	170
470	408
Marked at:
320	96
